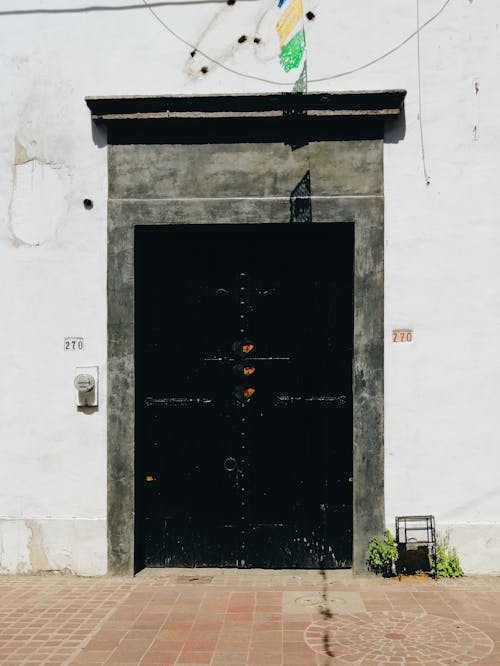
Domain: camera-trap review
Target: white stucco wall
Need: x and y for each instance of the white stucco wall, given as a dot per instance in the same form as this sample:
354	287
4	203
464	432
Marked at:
442	273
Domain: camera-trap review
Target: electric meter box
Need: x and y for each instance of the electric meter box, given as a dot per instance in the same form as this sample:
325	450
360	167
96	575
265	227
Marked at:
86	385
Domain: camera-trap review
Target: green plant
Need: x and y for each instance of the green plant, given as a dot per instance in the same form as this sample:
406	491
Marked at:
447	563
382	554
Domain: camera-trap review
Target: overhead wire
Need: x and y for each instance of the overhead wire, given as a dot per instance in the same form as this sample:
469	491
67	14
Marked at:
330	77
420	121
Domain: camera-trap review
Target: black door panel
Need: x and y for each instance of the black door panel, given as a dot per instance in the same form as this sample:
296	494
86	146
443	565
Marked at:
244	399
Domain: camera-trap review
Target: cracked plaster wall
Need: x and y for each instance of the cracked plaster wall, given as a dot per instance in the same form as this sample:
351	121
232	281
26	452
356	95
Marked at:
442	272
37	206
67	546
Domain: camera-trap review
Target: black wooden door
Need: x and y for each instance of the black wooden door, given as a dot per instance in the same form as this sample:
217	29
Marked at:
243	396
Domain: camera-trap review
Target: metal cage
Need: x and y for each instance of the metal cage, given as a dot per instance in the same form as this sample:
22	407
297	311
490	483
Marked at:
415	531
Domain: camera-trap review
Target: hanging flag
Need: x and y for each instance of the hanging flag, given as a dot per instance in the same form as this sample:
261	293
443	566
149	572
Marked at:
293	48
300	85
292	52
289	21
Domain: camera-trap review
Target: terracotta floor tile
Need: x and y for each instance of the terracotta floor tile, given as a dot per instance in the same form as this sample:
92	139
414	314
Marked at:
201	645
235	645
155	622
92	657
101	645
49	620
120	656
232	646
110	635
195	658
268	636
264	658
125	613
142	634
230	659
167	634
160	657
211	627
266	647
295	636
300	660
236	617
159	645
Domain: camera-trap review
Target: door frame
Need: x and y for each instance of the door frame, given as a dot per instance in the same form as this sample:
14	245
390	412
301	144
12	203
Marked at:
367	214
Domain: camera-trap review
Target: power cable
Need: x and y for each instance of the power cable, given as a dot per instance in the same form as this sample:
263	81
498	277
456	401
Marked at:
101	8
388	53
317	80
420	121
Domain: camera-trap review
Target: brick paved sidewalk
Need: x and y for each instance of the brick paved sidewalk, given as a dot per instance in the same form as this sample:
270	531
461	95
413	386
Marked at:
248	618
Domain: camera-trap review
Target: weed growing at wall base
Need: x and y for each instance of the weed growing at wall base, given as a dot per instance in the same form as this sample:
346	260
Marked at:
447	562
382	554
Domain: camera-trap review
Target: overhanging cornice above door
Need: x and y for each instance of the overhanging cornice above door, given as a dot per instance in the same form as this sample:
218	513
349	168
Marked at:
263	117
364	103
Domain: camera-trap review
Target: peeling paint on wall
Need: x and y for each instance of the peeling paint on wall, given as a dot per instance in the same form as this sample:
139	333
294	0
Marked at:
38	558
20	152
38	199
66	546
14	555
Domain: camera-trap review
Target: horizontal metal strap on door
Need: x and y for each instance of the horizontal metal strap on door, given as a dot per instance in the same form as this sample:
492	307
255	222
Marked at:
230	359
255	527
178	402
285	400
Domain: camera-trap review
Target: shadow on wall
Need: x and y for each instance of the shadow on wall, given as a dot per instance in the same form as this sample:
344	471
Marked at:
99	134
87	410
395	128
295	131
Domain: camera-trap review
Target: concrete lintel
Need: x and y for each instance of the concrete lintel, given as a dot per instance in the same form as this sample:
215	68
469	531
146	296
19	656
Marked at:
379	102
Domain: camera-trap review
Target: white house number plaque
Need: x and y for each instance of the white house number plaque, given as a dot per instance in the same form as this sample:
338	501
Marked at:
73	344
402	335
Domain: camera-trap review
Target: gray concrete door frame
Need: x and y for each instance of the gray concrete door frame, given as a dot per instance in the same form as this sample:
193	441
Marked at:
157	175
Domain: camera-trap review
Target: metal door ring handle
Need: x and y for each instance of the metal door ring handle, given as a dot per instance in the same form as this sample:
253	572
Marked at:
230	464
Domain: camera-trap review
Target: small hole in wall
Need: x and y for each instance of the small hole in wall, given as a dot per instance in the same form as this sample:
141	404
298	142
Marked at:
257	40
310	16
204	69
231	2
193	53
242	39
88	204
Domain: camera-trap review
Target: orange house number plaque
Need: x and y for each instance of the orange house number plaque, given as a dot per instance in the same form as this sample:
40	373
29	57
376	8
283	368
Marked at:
402	335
